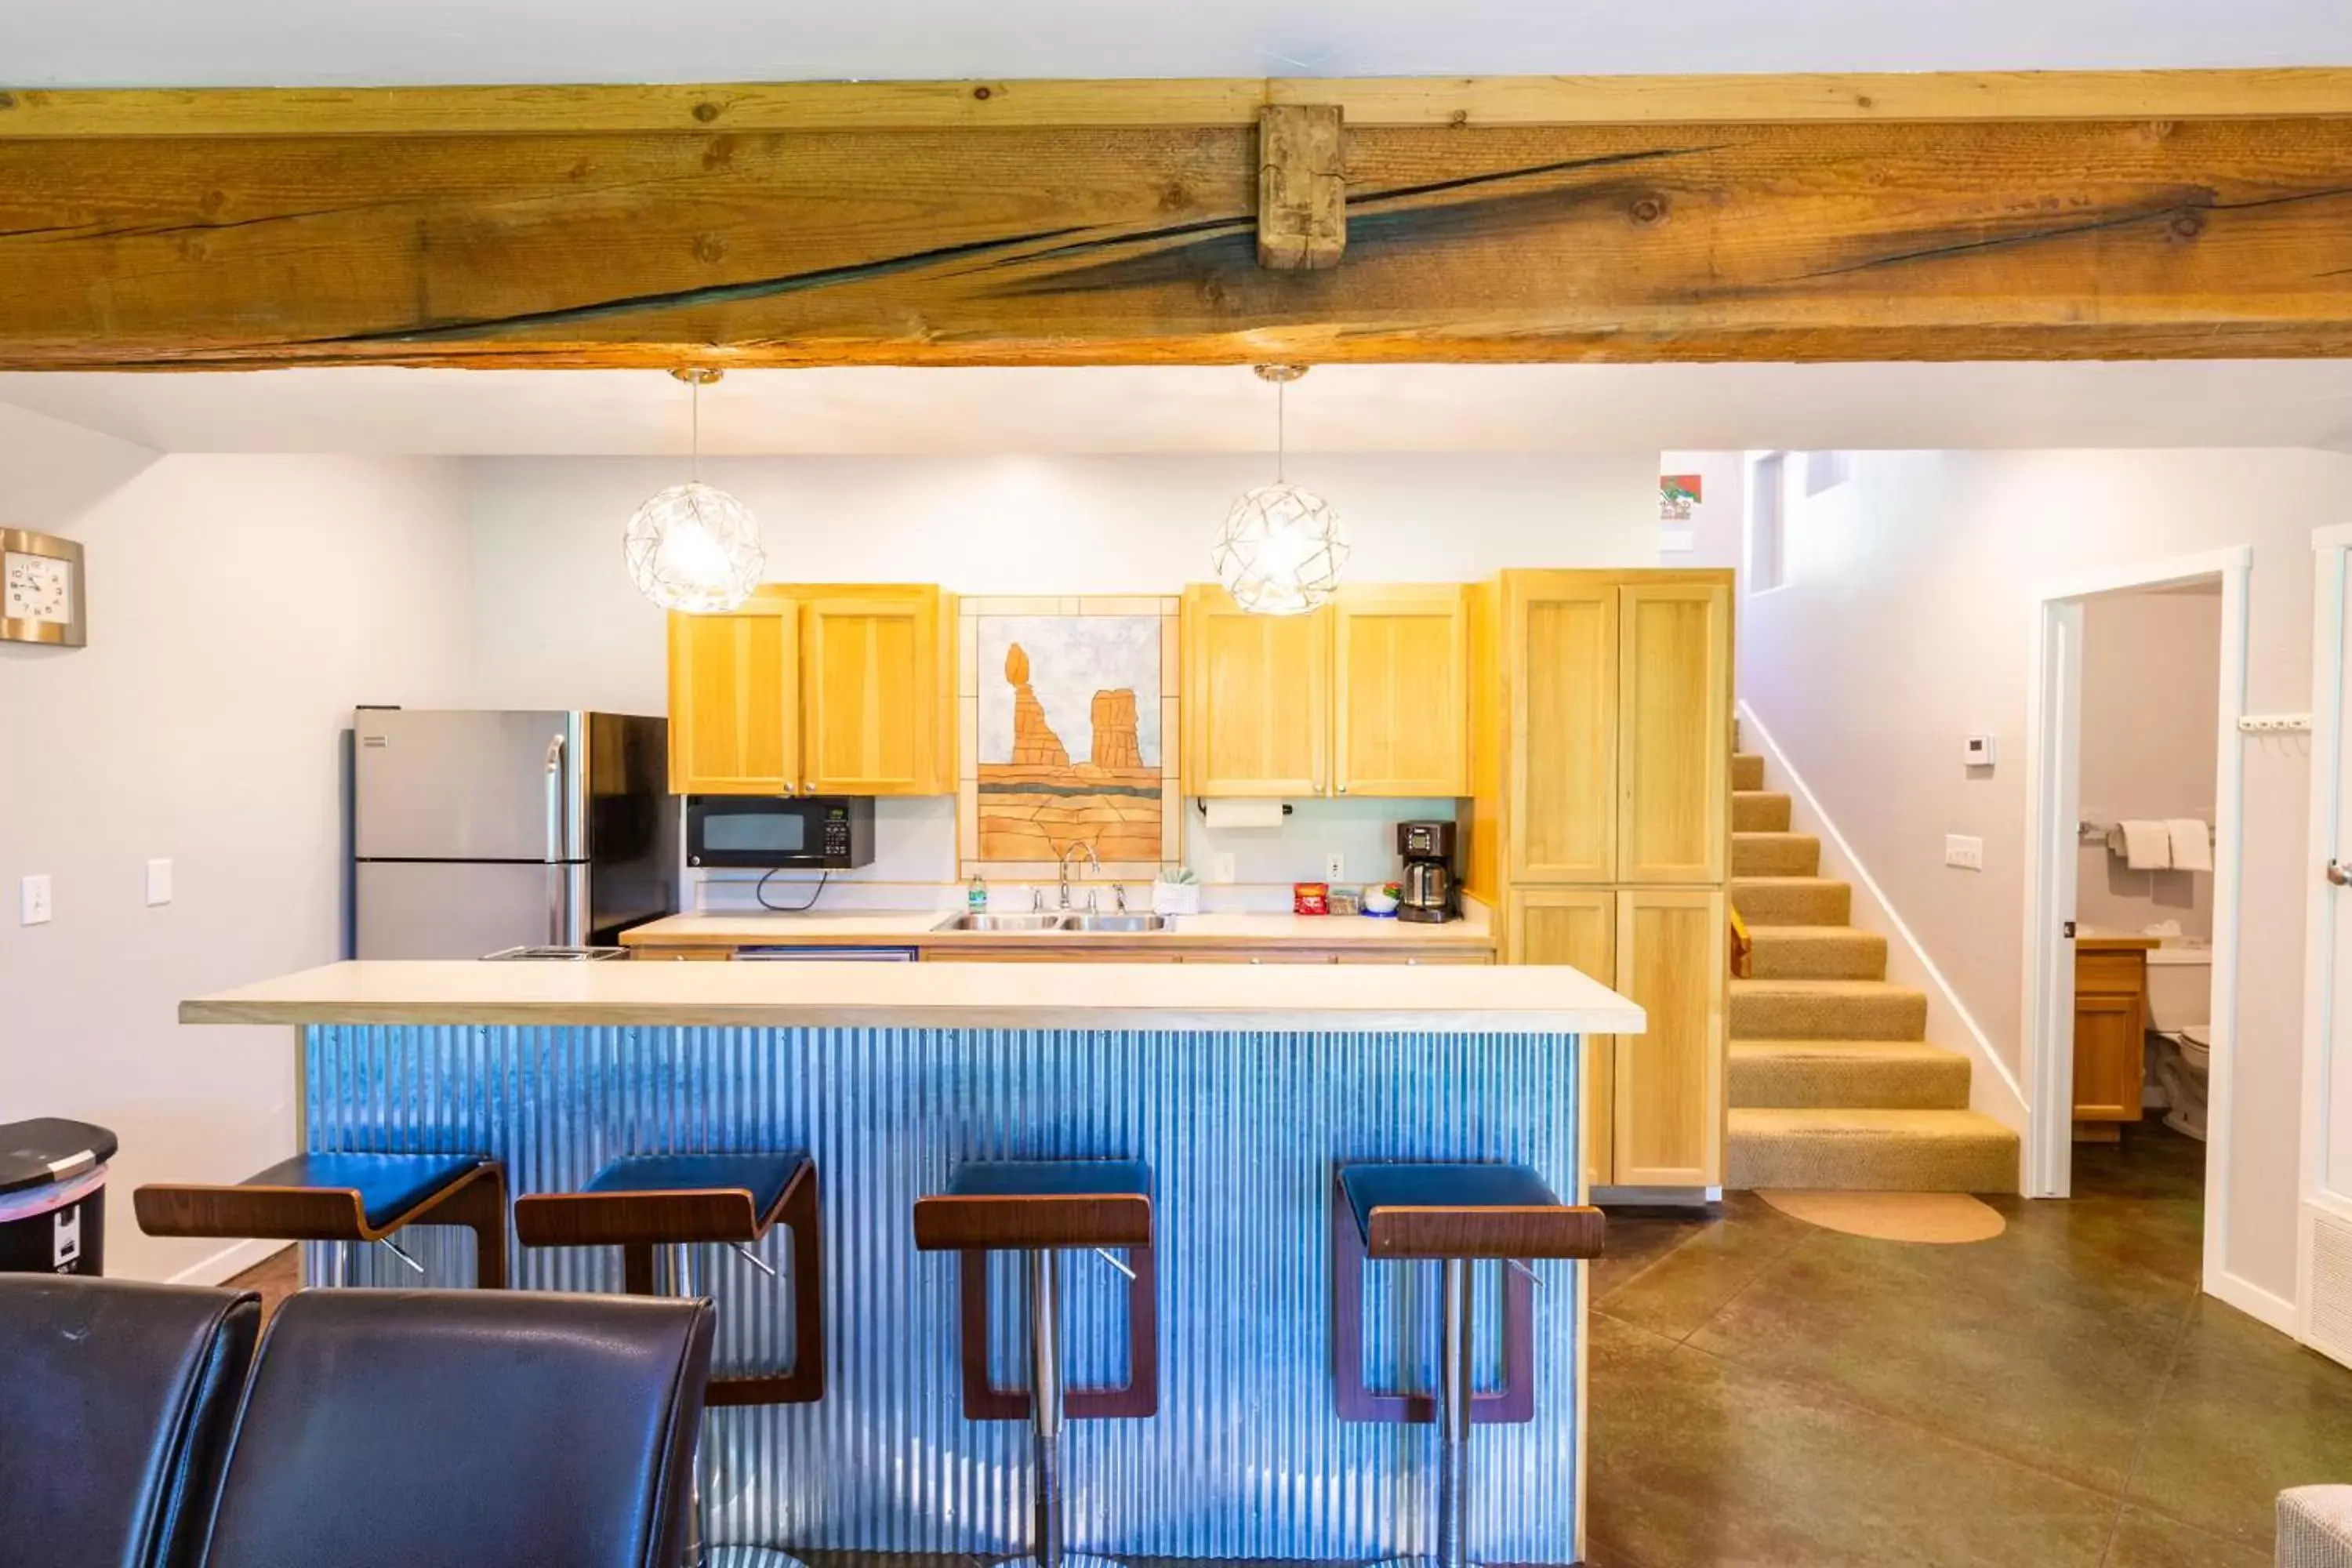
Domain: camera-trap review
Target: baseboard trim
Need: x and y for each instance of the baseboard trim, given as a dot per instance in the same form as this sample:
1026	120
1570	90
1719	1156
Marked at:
2013	1114
2265	1307
229	1262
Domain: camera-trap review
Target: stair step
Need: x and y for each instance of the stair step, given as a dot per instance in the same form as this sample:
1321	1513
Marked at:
1746	769
1870	1151
1793	900
1887	1075
1826	1010
1775	855
1759	811
1816	952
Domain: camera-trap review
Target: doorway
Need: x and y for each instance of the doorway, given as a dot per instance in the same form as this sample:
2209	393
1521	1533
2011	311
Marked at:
2066	830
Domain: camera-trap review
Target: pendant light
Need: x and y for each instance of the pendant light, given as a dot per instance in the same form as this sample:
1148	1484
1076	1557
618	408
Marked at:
1281	550
693	547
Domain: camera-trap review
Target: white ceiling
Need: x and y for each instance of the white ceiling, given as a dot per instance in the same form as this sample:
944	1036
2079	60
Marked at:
2297	403
98	43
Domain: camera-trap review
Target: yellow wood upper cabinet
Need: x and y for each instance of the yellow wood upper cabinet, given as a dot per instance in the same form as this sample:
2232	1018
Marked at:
1674	731
832	689
734	698
1400	669
876	691
1559	650
1255	698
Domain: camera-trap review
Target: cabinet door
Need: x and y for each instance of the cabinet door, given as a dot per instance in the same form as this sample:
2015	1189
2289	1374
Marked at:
2108	1043
1673	724
1561	659
1578	926
1671	959
734	698
1256	698
1401	688
870	690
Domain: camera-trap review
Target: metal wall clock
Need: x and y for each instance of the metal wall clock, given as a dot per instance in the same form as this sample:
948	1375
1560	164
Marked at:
40	589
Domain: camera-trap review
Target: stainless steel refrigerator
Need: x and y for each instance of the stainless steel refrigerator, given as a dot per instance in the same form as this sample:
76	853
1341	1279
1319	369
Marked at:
473	831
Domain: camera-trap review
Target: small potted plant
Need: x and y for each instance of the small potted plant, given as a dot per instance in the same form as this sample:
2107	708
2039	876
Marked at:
1177	892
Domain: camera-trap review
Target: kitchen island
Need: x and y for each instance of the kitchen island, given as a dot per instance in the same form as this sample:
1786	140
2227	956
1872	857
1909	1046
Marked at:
1240	1089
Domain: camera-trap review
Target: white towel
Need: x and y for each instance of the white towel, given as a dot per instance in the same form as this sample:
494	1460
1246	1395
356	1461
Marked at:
2193	844
2147	846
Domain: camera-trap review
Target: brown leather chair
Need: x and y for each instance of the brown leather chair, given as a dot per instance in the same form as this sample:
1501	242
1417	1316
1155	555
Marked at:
457	1428
115	1404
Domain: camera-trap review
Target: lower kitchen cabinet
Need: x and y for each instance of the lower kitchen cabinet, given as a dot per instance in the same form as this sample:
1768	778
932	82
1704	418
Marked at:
1655	1101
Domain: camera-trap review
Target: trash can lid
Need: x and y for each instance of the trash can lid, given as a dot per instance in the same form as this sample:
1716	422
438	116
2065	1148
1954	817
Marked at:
47	1149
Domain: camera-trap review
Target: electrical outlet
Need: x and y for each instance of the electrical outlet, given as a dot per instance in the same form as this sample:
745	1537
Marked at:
1335	867
159	882
32	899
1965	852
1223	871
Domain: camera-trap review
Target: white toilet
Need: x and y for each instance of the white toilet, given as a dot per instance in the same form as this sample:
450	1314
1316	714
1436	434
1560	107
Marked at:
2180	1015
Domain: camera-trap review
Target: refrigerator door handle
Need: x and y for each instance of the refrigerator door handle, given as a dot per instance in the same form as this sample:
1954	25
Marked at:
559	886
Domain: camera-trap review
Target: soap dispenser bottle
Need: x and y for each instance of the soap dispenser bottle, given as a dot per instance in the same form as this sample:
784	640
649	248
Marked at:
975	896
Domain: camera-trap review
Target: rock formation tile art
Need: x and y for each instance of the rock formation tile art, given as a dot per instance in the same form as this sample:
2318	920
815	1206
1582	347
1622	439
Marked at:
1054	687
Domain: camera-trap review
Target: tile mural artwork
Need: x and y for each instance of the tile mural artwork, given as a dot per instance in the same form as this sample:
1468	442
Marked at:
1069	736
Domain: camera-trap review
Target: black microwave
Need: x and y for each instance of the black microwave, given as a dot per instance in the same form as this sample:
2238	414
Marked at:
767	832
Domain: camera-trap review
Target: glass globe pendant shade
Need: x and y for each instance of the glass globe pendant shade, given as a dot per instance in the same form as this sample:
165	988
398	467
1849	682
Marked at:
694	548
1281	551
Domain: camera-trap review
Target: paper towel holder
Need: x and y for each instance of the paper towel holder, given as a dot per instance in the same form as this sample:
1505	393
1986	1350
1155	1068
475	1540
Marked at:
1200	805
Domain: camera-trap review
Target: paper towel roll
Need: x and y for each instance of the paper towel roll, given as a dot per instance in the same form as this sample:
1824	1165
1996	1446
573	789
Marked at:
1245	813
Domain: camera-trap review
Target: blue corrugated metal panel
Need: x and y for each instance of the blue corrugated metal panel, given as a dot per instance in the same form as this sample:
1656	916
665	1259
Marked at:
1246	1457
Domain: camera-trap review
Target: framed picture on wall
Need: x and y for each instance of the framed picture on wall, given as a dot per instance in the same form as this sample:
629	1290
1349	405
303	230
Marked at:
40	589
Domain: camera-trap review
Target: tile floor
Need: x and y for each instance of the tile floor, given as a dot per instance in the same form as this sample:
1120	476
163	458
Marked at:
1772	1395
2062	1396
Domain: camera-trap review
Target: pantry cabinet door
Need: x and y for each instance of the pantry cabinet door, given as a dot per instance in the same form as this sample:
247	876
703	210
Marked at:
1257	699
1672	962
1673	723
734	698
1577	927
1401	672
1561	659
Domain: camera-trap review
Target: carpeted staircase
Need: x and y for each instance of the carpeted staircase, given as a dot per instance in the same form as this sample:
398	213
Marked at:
1832	1081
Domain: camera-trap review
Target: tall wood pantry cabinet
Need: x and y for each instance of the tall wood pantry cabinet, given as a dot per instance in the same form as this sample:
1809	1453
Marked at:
1599	830
815	690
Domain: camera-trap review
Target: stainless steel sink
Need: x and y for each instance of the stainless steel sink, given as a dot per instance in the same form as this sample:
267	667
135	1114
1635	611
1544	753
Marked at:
1000	922
1115	922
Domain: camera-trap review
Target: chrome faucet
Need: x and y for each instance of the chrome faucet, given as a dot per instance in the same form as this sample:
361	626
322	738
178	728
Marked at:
1062	867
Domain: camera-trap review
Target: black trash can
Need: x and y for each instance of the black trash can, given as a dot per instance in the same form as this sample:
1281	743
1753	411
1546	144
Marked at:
53	1196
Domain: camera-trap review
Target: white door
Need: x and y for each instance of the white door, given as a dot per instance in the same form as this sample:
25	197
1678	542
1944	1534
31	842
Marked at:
2324	1271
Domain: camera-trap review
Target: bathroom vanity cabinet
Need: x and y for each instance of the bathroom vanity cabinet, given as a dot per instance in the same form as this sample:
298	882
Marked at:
2110	1030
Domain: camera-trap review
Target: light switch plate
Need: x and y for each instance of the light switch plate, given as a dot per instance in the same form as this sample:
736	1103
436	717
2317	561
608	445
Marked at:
159	882
1224	870
1335	867
1965	852
32	901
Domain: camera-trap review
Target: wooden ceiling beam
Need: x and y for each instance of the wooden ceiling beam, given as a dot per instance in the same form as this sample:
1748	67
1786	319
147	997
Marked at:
544	242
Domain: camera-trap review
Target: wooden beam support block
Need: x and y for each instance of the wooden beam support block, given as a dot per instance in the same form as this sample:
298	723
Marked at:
1302	187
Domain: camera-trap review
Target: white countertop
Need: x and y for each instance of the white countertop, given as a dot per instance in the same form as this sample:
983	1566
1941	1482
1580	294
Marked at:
851	928
1546	1000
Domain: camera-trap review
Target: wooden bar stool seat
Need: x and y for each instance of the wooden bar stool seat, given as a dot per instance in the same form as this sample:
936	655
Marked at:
1042	1209
1452	1214
344	1197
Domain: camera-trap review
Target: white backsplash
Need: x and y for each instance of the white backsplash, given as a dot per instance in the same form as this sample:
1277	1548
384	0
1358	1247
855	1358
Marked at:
915	860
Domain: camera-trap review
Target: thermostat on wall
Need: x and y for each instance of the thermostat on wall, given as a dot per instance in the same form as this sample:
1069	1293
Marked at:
1978	751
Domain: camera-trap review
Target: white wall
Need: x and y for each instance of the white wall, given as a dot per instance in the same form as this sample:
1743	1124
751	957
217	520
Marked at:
1905	626
558	625
239	606
2151	676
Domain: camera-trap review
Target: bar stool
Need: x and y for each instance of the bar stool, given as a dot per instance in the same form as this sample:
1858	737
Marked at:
661	1208
1452	1214
345	1198
1042	1209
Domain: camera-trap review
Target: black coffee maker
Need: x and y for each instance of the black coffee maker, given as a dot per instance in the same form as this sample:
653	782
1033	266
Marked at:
1429	892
